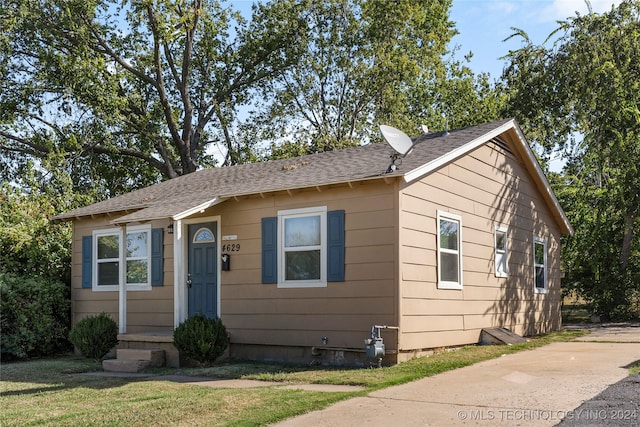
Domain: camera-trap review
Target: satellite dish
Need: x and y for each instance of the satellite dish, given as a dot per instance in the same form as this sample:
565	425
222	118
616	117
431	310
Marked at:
397	139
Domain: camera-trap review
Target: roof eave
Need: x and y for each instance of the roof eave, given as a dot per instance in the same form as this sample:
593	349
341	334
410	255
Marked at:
477	142
66	217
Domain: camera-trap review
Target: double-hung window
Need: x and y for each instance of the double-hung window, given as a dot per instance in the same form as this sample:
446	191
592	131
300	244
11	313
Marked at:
449	242
302	247
501	248
120	255
107	261
540	264
137	251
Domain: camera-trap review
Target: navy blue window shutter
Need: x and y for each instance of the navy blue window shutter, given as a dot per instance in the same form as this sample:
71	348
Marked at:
270	250
335	246
157	261
87	261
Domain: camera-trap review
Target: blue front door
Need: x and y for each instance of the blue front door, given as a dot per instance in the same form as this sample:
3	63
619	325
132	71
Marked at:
203	270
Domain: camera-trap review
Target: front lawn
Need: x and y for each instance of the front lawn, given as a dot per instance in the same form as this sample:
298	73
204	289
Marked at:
54	392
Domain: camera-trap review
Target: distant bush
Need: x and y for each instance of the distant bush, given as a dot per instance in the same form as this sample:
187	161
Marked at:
95	336
201	338
34	316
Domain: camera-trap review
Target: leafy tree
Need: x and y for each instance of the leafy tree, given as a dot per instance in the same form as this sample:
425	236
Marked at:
582	95
108	87
148	83
369	62
30	245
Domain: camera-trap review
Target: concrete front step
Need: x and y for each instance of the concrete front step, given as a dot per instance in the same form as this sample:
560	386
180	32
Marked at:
134	360
155	357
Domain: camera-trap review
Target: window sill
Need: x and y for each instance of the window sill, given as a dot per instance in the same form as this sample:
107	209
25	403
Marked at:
450	285
293	285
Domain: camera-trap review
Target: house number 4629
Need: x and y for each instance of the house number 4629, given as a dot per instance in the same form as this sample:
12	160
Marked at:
231	247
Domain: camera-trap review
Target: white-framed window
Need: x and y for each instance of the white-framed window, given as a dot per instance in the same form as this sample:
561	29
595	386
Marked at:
501	244
138	252
540	264
302	247
115	254
106	271
449	240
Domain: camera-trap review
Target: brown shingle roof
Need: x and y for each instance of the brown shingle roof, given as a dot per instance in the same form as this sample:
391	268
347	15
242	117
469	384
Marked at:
205	187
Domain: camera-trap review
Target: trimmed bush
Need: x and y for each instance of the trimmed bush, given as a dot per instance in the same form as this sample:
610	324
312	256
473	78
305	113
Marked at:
201	338
95	336
34	316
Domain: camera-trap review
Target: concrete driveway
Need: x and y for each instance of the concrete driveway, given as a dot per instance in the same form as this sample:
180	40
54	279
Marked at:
530	388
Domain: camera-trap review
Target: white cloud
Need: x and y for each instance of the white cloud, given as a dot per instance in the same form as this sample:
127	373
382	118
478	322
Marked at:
562	9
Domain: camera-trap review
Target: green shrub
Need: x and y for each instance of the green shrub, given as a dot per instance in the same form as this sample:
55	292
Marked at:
34	316
201	338
95	336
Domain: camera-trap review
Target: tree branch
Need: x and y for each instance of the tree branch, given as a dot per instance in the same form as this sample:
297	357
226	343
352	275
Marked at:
187	162
37	148
115	56
161	166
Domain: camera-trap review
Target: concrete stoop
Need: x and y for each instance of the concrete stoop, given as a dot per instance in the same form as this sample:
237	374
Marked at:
134	360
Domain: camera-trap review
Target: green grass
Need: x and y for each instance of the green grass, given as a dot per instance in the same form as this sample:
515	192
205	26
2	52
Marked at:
634	368
377	378
51	392
576	313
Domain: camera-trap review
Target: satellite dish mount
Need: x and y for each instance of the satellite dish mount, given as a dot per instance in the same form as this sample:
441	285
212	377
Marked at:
400	142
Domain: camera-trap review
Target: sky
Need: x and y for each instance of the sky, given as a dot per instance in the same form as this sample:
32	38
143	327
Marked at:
484	24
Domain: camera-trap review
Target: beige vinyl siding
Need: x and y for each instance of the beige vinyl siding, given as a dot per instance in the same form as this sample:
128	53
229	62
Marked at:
487	187
147	311
257	313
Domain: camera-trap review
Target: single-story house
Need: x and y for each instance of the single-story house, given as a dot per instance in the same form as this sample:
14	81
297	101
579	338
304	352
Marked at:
302	257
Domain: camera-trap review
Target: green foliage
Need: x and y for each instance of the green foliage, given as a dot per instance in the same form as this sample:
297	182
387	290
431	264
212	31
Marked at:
95	336
157	87
201	338
115	86
34	316
29	243
581	96
369	62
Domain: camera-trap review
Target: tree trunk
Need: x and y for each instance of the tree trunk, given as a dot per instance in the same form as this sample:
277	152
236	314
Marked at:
627	240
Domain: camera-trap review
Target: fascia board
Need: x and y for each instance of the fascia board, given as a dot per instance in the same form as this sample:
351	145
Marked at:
178	216
195	209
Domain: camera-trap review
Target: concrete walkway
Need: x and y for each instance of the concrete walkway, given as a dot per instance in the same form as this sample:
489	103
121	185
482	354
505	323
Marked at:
530	388
240	383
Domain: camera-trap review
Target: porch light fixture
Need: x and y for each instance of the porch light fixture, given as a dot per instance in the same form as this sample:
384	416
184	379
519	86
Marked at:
170	228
